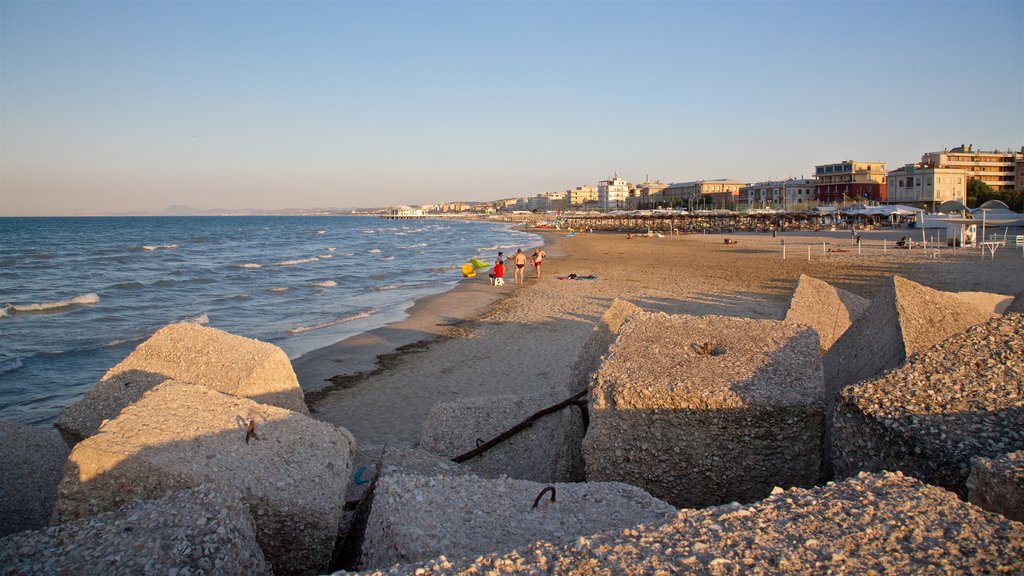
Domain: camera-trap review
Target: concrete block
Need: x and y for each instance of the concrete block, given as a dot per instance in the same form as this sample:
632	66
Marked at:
590	356
190	353
961	398
702	410
997	484
193	531
873	524
904	317
551	450
32	461
827	309
291	471
416	518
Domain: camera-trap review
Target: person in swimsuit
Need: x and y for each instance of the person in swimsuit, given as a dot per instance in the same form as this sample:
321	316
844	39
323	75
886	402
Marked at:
520	261
538	257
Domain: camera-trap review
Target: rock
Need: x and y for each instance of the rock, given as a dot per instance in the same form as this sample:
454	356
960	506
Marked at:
415	518
32	460
291	471
550	450
589	358
904	317
873	524
997	484
827	309
1017	306
961	398
192	531
706	410
190	353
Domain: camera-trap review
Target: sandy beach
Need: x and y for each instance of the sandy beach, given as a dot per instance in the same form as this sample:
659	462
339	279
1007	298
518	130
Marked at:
482	340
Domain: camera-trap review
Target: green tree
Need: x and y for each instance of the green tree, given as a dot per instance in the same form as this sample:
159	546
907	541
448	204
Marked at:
978	192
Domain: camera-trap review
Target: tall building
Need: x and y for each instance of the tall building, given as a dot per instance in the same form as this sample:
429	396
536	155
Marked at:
771	193
799	191
581	195
995	168
850	181
927	186
612	194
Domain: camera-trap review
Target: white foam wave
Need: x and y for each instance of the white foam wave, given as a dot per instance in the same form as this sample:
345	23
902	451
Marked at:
198	319
10	365
420	245
388	258
387	287
349	254
325	284
326	256
81	300
250	265
374	250
160	247
331	249
321	231
498	247
120	342
357	316
285	289
3	311
294	262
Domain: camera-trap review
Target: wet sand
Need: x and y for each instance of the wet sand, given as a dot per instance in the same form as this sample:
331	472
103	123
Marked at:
481	340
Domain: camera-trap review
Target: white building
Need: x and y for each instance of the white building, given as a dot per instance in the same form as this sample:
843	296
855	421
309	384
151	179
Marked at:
612	194
799	191
769	194
406	212
926	185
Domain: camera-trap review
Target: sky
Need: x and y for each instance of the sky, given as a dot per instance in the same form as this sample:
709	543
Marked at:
134	106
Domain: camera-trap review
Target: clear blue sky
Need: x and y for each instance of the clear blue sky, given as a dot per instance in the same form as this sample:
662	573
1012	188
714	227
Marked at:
134	106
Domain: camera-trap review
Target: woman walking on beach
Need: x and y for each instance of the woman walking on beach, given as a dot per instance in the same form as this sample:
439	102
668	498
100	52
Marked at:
520	261
538	257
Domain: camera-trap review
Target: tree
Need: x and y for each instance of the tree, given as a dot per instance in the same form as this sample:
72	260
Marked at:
978	192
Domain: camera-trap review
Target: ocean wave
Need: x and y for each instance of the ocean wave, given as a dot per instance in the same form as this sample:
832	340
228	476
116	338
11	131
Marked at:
331	248
250	265
160	247
325	284
420	245
498	247
198	319
321	231
3	310
284	289
128	285
388	258
326	256
10	365
374	250
349	254
80	300
294	262
387	287
357	316
123	341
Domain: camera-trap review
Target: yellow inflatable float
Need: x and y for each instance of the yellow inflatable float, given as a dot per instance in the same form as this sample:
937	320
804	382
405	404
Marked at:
468	271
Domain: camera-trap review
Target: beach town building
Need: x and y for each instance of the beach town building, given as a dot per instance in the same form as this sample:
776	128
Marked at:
799	193
406	212
548	201
926	185
850	181
581	195
720	193
612	193
996	168
647	194
768	194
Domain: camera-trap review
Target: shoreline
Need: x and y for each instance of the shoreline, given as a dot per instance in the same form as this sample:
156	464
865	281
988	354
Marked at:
322	371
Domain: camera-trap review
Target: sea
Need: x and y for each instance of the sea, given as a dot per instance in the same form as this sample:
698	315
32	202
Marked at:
77	295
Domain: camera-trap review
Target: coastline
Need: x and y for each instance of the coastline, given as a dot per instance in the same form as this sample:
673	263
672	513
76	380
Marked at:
324	370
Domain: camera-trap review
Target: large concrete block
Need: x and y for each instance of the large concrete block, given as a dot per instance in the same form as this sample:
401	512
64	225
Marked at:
291	471
31	460
550	450
187	353
873	524
997	484
961	398
194	531
705	410
416	518
589	358
904	317
827	309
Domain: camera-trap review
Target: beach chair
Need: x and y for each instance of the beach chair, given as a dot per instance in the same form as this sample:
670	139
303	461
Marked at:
499	281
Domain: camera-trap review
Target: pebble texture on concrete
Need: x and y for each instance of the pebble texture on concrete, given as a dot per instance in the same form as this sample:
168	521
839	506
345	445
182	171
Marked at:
997	484
904	317
961	398
188	353
291	471
551	450
31	463
194	531
873	524
703	410
827	309
596	346
415	518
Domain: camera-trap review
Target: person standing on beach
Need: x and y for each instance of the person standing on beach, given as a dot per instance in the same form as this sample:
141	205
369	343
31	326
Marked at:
520	262
538	257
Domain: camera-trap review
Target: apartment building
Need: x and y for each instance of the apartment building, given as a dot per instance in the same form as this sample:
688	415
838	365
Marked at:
799	191
612	193
995	168
718	193
927	186
646	195
850	181
581	195
771	193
